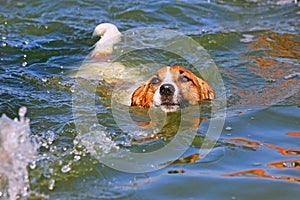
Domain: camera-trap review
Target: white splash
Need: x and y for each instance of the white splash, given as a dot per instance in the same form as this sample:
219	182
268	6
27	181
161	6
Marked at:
16	151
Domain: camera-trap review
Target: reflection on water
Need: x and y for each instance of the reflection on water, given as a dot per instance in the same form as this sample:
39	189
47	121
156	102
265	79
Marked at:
286	164
252	143
189	159
278	45
259	173
293	133
282	164
272	58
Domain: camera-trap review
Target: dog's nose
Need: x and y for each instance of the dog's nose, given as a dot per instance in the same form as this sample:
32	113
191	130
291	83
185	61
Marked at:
166	89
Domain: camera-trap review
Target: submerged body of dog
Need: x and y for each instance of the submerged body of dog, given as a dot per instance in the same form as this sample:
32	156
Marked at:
169	89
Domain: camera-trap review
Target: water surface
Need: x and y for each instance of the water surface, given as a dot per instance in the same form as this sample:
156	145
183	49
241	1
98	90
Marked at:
255	45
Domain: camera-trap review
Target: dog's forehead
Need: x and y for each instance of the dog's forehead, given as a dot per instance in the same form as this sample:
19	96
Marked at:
162	72
166	74
172	73
178	70
175	70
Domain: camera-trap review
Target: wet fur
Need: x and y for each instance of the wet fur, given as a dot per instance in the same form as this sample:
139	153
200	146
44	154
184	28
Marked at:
192	88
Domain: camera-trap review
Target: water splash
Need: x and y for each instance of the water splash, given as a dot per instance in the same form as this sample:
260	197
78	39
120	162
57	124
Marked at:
16	151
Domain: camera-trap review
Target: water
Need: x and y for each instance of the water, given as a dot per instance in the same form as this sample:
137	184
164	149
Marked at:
255	45
17	150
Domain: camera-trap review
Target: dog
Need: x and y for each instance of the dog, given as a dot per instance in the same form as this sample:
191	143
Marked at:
170	88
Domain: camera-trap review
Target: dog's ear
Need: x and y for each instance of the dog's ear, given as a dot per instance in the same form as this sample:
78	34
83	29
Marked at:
205	91
139	96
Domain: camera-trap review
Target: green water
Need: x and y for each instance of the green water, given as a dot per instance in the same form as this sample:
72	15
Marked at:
255	45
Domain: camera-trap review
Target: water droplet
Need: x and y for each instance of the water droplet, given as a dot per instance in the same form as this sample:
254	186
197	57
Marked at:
3	44
72	89
51	184
228	128
47	174
44	144
77	157
26	42
44	80
75	141
22	111
50	136
32	165
65	168
24	64
51	170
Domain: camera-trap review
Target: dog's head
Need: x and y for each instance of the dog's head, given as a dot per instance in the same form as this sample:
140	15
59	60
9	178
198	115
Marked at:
172	88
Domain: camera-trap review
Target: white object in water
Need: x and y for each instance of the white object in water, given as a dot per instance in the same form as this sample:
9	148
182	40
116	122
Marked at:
110	35
16	151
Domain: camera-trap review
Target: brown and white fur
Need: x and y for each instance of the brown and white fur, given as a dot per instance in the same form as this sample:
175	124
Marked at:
170	88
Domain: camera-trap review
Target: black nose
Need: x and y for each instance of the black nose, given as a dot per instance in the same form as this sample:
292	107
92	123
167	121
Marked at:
166	89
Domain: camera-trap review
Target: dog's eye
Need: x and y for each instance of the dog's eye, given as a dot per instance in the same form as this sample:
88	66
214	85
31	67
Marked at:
155	80
185	79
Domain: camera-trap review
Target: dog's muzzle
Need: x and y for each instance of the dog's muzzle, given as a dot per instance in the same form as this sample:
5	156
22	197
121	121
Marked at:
167	90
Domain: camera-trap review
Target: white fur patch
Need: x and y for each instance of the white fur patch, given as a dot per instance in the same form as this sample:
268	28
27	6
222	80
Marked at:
157	97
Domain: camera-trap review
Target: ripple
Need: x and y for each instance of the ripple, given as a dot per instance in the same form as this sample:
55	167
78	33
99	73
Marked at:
254	43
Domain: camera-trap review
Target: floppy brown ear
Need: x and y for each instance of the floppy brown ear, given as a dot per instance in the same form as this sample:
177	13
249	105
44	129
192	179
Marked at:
139	96
205	91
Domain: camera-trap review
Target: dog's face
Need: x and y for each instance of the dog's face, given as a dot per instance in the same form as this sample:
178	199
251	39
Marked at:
172	88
